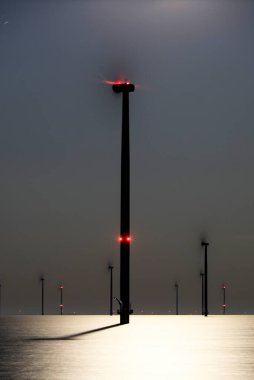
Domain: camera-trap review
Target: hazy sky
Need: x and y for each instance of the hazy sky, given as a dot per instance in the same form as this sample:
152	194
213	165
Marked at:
192	138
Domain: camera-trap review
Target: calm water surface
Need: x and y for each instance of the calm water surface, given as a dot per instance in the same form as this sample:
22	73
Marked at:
150	347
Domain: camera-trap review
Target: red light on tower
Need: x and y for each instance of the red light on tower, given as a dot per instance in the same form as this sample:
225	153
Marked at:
125	239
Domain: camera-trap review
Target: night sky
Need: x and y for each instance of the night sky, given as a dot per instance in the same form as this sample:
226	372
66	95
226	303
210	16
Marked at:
192	156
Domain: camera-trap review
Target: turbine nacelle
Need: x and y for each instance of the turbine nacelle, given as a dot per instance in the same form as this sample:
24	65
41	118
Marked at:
123	87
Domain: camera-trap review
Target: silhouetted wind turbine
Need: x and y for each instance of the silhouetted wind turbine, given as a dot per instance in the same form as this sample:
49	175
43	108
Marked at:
124	238
61	299
42	295
110	267
202	292
224	299
205	244
176	289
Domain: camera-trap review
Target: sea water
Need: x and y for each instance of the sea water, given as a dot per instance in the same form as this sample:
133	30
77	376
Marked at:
150	347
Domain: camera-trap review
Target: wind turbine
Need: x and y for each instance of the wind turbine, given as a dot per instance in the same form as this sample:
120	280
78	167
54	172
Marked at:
125	88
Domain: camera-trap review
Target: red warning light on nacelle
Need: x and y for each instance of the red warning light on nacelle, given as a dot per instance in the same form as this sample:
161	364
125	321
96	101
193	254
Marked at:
124	239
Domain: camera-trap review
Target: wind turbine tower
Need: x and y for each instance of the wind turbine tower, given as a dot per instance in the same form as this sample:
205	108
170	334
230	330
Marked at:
205	244
125	238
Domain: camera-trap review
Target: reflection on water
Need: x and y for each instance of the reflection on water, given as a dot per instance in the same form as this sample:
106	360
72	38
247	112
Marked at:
151	347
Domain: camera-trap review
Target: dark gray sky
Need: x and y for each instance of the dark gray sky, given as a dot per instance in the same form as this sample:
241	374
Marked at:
192	153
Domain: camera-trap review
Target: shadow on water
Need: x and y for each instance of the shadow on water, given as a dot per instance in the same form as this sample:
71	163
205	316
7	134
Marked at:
73	336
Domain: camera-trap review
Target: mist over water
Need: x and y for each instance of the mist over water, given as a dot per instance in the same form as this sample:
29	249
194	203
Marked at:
191	152
163	347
